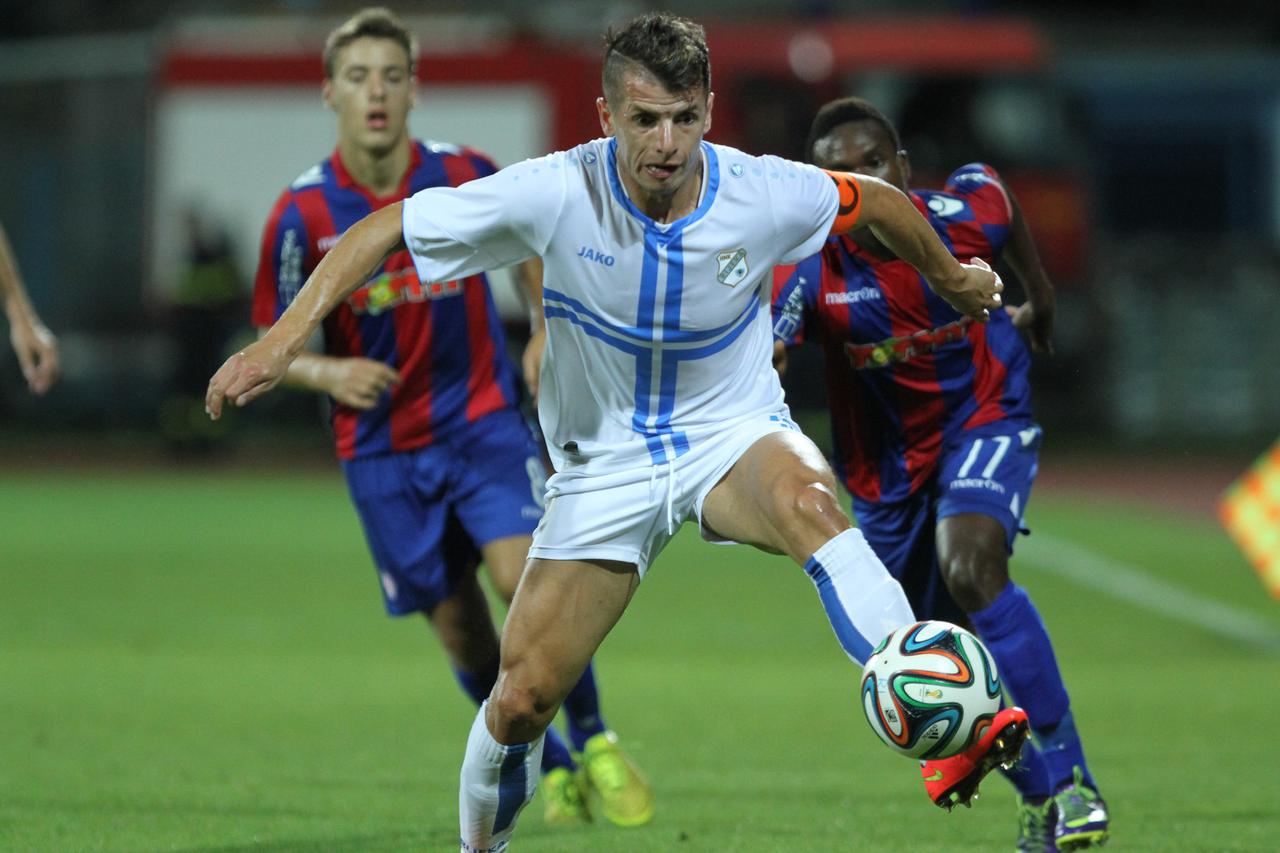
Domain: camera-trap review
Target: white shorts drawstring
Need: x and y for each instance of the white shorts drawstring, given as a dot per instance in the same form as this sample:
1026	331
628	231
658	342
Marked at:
671	492
671	497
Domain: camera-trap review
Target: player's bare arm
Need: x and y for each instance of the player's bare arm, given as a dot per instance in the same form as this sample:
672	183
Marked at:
1035	316
259	367
972	289
35	345
356	382
529	274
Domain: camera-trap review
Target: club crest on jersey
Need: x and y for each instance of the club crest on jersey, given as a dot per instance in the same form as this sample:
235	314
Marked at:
731	266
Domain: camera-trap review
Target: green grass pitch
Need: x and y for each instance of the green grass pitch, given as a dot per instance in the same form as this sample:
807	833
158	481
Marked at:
199	662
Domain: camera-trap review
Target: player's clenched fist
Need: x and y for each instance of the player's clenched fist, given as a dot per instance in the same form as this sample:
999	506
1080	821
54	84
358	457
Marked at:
976	293
248	374
358	382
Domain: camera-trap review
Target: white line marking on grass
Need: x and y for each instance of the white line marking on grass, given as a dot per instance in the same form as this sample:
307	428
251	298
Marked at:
1129	583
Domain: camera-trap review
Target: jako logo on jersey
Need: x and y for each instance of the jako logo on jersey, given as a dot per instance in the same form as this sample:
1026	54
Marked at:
392	288
849	298
731	266
599	257
945	207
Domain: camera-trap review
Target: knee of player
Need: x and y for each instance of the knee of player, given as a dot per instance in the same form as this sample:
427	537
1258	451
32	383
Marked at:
810	497
806	503
974	574
521	704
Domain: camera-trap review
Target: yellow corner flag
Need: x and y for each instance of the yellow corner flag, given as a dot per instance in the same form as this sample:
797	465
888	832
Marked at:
1250	510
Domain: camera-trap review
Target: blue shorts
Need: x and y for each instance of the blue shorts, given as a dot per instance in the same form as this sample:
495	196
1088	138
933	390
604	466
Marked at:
988	470
428	512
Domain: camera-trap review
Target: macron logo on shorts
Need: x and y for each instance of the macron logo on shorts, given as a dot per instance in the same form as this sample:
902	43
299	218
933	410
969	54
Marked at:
978	483
389	585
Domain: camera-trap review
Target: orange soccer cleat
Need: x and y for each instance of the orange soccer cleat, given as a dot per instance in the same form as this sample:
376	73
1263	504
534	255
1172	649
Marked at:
954	780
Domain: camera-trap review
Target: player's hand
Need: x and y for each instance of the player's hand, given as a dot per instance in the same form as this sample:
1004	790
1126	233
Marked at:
37	351
1037	323
780	357
976	292
245	376
531	361
359	382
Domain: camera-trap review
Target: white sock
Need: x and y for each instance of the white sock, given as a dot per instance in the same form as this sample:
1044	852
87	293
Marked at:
863	601
497	783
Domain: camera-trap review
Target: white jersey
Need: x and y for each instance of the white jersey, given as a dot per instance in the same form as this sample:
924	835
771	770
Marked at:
658	336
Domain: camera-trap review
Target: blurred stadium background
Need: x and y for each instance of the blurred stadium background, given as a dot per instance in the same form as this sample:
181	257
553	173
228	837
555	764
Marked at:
141	145
1144	145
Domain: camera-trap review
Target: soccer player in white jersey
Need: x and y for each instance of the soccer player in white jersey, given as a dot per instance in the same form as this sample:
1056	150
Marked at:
658	397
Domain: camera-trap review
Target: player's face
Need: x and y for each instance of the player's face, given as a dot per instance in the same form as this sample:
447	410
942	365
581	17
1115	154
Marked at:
658	133
864	148
371	91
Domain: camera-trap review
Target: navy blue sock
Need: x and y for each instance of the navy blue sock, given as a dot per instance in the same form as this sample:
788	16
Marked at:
555	753
1063	752
582	709
1016	637
478	685
1030	775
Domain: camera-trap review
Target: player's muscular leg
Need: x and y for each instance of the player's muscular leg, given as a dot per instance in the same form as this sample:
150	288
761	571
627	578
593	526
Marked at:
973	559
465	627
505	559
561	612
780	496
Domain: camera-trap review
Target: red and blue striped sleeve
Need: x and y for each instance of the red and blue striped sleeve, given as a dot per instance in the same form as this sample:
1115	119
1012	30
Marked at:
982	189
282	261
795	297
481	162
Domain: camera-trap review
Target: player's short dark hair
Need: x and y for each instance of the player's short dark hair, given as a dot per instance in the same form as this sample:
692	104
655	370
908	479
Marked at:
672	49
374	22
842	111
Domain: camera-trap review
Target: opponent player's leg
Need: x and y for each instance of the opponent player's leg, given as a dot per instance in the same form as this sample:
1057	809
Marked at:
976	529
561	612
425	560
947	781
464	626
780	495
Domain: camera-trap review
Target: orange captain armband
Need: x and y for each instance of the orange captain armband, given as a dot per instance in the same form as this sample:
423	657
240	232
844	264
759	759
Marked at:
850	201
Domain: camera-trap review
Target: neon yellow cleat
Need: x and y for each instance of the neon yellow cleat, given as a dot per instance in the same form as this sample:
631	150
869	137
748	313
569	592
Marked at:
565	798
625	796
1082	815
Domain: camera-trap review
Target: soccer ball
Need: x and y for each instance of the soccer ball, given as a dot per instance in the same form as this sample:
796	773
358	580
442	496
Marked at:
929	689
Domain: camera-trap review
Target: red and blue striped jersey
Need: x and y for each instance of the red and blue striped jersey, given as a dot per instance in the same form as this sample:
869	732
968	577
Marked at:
905	372
445	338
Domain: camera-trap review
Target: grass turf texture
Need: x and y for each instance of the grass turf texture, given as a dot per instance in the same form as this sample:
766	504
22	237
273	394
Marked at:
200	662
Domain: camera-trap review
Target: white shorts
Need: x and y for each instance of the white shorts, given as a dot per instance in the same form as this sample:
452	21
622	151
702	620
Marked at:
630	515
